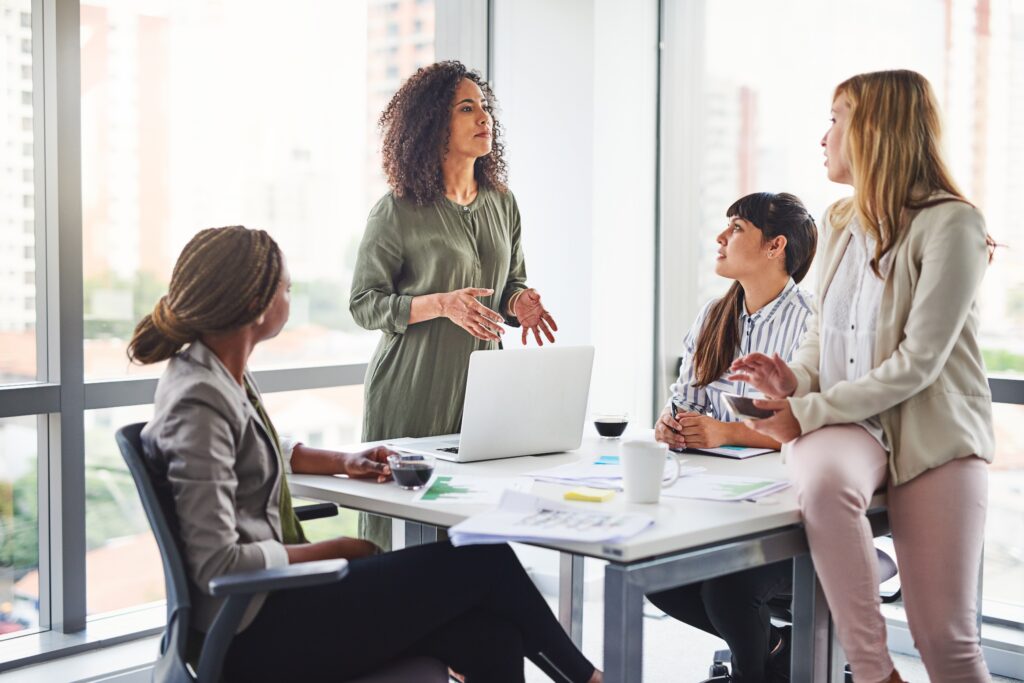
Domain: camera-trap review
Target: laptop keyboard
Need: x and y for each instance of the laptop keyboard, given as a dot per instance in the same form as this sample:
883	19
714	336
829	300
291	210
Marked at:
452	449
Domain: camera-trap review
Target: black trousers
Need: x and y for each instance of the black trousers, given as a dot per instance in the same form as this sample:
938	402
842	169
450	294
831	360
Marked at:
734	608
473	608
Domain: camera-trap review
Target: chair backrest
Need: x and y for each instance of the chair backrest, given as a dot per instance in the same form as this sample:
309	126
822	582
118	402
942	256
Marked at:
155	493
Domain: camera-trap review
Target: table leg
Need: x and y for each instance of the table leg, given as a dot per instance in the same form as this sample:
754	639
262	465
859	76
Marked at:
623	627
419	534
811	632
570	595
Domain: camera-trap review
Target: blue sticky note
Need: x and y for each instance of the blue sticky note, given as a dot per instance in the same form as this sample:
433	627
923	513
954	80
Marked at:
607	460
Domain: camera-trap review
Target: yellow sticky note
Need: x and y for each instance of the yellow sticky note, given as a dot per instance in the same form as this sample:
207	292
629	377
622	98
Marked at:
589	495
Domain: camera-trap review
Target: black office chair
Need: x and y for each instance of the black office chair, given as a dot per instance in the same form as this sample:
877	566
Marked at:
780	608
237	589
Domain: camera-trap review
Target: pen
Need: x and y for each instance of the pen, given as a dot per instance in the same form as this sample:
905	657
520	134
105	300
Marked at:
679	406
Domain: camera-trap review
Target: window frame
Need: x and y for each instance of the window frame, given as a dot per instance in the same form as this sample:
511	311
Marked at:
60	395
681	65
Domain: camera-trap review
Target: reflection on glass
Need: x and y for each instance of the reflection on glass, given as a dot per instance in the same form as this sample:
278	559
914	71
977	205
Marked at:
17	197
199	114
122	561
763	133
19	526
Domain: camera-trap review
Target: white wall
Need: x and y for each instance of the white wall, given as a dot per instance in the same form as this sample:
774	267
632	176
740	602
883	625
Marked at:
576	80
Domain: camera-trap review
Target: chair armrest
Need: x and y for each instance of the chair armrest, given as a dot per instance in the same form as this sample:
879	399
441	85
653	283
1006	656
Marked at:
316	511
299	575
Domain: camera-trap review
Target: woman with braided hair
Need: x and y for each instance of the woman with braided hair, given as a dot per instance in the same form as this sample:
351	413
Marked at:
214	444
441	264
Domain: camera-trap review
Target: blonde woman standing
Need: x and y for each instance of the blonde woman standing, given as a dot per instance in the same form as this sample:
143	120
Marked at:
889	389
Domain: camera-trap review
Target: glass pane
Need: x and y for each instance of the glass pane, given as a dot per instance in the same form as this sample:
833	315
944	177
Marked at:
122	560
17	196
198	114
763	133
1004	528
123	567
321	418
19	526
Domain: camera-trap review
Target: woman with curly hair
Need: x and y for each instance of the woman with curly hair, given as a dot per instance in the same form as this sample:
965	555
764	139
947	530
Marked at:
441	265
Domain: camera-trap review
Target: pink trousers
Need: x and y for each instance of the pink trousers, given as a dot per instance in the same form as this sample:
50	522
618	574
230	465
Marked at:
938	527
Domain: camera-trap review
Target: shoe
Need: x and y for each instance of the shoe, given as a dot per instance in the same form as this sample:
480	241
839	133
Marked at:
778	656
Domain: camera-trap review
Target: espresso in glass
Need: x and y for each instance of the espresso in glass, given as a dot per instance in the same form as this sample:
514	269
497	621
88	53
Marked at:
611	426
412	476
411	470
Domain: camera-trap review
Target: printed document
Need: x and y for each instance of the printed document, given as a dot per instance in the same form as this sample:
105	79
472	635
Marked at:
524	517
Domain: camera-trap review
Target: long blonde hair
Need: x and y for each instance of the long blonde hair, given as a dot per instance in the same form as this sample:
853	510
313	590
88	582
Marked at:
893	142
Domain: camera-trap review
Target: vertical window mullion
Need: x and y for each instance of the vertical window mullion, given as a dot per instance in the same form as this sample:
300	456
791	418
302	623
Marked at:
65	480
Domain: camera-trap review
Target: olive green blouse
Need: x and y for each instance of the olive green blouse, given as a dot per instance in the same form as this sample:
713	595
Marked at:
416	380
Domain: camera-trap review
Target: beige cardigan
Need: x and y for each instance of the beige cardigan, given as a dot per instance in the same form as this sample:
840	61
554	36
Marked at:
928	385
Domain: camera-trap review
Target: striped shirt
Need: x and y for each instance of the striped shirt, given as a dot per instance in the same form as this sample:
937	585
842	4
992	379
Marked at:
777	327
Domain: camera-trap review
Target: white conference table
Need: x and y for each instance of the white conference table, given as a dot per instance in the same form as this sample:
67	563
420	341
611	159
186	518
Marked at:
690	540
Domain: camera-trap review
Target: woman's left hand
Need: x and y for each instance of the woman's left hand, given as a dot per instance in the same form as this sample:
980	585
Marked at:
782	426
701	431
534	317
373	462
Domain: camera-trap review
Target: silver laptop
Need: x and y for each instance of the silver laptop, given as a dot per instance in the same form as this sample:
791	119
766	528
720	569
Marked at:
518	402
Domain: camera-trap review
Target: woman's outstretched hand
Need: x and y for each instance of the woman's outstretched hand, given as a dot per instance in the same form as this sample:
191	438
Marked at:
534	317
463	309
768	374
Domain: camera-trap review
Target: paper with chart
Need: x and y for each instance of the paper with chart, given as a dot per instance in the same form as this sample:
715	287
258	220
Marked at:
523	517
602	472
721	487
461	488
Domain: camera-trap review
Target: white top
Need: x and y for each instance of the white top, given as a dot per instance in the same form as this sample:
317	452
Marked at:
849	318
777	327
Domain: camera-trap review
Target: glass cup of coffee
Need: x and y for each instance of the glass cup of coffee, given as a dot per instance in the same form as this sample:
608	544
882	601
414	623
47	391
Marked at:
611	425
411	471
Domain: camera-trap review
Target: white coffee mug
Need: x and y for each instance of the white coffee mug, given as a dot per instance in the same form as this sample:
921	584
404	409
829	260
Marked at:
643	470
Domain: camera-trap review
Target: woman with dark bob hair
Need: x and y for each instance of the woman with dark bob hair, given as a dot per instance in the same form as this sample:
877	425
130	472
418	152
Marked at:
441	265
214	447
766	249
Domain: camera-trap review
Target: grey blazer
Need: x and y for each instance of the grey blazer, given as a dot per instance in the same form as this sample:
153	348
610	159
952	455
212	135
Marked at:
224	475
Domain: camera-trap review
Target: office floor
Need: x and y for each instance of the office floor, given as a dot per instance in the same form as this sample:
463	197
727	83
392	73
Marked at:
674	653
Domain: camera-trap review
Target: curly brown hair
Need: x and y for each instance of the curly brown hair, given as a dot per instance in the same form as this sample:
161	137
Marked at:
415	125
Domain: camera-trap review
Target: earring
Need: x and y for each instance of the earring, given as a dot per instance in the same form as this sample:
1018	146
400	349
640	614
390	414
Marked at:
261	319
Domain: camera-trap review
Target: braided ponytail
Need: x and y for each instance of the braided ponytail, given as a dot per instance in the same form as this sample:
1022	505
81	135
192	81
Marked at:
223	279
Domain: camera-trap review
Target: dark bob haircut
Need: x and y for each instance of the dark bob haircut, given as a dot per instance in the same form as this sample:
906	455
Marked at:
415	125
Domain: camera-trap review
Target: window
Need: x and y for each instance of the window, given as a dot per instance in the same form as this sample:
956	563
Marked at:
169	145
1004	528
17	207
19	526
751	119
272	145
122	560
